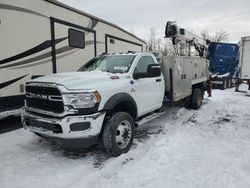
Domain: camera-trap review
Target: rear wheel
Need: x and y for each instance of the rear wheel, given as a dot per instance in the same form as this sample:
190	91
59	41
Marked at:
118	134
197	98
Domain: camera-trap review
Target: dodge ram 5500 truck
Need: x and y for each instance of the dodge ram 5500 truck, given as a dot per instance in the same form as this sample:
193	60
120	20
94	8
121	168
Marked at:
108	97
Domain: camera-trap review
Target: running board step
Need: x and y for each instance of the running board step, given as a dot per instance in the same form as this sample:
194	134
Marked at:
149	118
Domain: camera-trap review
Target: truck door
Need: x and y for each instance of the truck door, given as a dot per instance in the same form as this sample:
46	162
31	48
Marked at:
148	91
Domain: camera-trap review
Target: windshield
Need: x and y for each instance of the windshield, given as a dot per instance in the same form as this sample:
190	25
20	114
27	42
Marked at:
113	64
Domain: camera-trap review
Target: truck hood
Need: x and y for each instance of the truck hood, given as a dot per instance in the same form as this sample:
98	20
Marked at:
80	80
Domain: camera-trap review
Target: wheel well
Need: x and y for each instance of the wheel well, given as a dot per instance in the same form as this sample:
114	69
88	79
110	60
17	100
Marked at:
121	102
126	106
123	106
201	86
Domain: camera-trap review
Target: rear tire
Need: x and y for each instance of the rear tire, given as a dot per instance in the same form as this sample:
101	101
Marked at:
118	134
196	98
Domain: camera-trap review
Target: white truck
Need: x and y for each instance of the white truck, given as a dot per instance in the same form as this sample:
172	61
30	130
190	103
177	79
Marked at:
244	62
108	98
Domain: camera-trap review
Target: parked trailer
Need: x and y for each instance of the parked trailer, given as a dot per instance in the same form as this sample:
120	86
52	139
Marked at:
244	74
223	65
45	36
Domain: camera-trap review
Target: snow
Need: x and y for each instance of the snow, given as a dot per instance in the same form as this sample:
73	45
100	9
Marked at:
221	76
182	148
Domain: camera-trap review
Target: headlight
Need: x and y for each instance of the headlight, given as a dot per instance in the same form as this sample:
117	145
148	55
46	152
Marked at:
84	100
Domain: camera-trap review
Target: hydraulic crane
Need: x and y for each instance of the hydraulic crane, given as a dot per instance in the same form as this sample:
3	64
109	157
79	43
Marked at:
185	40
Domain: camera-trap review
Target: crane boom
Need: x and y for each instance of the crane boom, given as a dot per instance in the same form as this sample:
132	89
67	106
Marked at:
184	38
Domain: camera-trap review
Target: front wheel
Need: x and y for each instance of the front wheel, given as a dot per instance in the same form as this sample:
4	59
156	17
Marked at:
118	133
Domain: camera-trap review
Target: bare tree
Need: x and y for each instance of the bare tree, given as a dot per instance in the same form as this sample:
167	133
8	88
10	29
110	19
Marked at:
205	35
152	39
220	36
159	44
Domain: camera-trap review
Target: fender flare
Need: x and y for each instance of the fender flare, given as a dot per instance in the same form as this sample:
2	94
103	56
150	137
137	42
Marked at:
118	98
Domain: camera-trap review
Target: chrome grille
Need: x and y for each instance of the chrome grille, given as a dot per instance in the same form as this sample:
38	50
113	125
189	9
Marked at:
44	98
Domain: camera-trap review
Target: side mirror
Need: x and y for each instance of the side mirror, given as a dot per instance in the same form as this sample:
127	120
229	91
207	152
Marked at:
153	70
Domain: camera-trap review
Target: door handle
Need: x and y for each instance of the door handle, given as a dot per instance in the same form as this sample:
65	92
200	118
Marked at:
158	80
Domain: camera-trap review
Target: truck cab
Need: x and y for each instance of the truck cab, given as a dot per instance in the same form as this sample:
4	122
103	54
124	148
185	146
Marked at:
100	102
223	64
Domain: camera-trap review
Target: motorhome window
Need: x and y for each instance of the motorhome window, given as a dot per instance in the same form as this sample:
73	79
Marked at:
113	64
76	38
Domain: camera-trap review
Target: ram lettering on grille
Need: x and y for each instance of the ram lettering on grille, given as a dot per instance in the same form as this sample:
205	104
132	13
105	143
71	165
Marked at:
44	98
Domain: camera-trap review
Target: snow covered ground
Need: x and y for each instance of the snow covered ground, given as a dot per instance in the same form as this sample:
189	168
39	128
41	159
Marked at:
183	148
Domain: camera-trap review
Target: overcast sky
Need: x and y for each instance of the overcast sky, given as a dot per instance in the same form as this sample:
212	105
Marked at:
138	16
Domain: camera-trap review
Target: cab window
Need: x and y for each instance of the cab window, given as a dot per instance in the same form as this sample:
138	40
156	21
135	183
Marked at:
143	63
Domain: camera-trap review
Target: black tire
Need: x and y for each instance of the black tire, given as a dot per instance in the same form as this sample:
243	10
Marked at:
188	102
196	98
110	134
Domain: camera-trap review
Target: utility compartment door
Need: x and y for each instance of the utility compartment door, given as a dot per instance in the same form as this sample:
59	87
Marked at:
182	79
245	58
181	76
74	46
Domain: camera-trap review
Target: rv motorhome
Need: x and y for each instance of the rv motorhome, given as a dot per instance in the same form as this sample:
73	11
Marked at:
45	36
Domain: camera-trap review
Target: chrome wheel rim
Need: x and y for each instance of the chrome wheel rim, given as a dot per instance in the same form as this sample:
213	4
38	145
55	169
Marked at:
123	134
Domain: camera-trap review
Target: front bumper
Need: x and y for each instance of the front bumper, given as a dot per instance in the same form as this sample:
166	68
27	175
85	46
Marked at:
68	128
217	82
